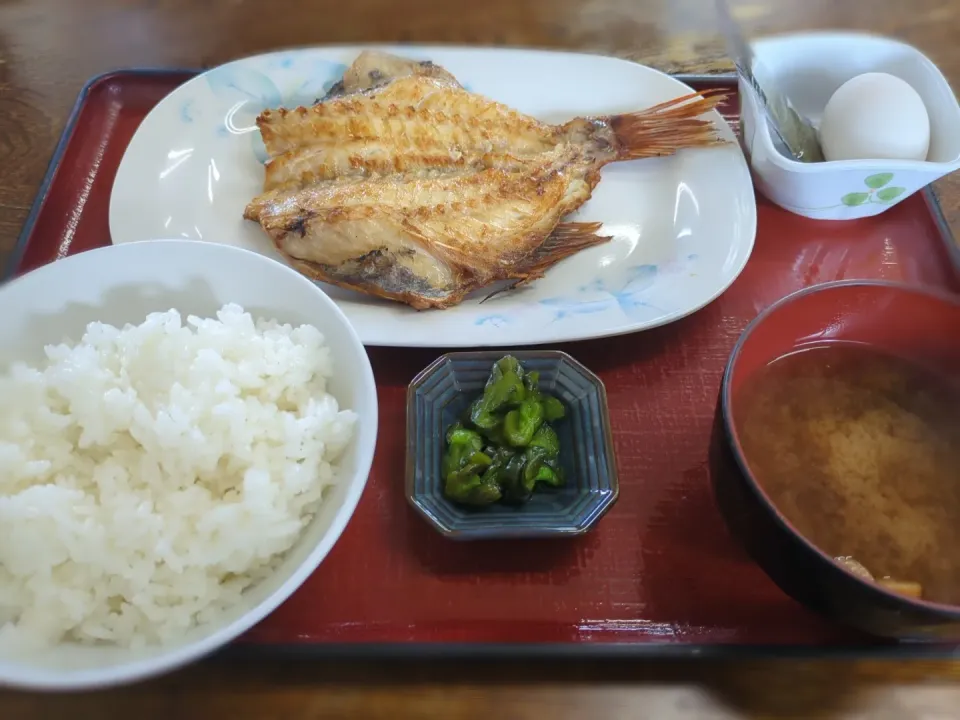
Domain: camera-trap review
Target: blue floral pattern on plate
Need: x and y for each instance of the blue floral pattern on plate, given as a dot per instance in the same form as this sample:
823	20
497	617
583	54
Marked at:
601	295
300	81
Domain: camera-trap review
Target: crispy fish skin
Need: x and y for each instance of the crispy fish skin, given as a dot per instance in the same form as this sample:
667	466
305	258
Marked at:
429	242
414	123
421	170
417	123
408	187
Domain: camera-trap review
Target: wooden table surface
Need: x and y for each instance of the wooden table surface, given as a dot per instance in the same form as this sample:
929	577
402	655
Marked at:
49	48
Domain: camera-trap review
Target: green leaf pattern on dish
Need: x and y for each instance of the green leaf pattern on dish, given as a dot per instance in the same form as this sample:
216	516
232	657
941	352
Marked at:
889	193
878	191
878	181
853	199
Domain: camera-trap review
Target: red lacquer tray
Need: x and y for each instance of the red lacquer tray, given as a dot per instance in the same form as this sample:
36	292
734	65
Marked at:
659	575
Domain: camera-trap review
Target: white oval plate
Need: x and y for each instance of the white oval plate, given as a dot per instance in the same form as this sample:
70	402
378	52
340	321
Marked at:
683	226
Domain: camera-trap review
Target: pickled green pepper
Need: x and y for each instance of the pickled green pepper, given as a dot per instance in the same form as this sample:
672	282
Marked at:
504	446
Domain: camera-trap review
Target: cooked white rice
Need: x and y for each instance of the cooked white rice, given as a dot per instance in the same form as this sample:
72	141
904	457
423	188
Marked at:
149	474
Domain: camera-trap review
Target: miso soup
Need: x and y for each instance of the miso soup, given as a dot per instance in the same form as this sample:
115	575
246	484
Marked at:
860	451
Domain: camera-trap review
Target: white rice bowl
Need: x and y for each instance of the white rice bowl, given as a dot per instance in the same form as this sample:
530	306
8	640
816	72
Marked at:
170	475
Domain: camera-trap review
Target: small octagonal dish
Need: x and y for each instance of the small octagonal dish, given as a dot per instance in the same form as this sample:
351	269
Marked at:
438	396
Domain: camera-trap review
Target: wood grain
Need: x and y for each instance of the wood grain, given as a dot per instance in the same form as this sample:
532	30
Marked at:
49	48
398	690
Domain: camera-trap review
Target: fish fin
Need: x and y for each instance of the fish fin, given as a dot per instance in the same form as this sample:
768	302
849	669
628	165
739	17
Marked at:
665	128
567	239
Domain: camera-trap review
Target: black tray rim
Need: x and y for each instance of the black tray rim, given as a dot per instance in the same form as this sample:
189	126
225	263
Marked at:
399	650
23	239
574	651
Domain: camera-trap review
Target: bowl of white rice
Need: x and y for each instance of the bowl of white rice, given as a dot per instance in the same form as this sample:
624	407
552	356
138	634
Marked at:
185	430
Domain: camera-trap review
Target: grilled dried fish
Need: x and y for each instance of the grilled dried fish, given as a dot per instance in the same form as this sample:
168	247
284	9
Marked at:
418	124
419	191
429	242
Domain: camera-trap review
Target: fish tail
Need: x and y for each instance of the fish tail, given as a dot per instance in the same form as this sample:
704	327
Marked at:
668	127
567	239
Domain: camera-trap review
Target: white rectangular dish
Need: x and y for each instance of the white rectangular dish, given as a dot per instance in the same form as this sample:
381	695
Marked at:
683	226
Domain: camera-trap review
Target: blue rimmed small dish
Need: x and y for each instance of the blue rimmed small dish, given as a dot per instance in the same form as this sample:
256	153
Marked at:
437	398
